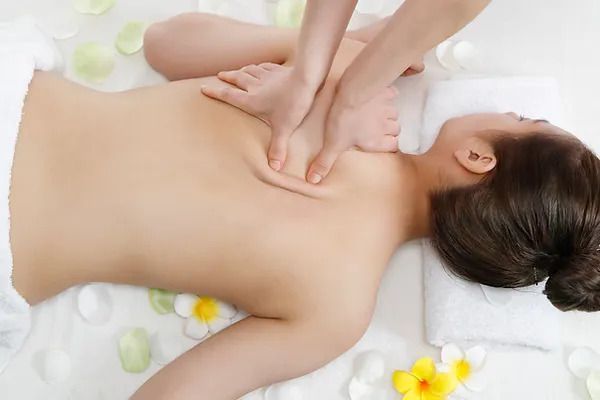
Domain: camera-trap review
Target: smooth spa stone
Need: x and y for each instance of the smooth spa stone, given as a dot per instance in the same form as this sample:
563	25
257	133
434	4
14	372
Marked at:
94	303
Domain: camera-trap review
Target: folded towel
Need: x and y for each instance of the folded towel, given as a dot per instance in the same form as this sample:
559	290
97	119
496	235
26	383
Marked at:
459	311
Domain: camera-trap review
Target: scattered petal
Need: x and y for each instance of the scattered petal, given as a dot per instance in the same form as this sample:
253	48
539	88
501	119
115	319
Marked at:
404	381
476	382
593	384
93	62
162	300
370	367
424	369
444	55
475	356
451	352
289	13
226	310
358	390
284	391
130	39
94	303
184	304
134	350
196	329
94	7
165	347
218	324
465	54
582	361
462	392
497	296
54	366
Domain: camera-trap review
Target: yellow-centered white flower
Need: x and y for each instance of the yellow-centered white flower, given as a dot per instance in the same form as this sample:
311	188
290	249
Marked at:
466	366
204	314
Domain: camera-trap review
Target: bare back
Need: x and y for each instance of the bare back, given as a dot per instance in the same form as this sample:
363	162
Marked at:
164	187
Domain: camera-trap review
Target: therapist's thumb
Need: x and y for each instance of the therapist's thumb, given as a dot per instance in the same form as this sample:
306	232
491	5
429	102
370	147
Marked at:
323	163
278	149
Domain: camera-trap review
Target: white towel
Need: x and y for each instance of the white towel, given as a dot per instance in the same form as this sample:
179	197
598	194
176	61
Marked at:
459	311
23	48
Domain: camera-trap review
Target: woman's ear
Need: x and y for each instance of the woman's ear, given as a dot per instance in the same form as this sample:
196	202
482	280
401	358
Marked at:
476	156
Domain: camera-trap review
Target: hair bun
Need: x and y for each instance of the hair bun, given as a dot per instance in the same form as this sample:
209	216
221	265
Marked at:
574	283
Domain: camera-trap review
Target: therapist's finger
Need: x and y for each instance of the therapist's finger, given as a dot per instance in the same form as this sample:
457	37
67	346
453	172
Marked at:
323	163
234	96
388	143
255	71
238	78
277	153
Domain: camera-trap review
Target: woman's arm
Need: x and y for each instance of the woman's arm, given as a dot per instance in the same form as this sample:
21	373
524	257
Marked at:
252	353
415	27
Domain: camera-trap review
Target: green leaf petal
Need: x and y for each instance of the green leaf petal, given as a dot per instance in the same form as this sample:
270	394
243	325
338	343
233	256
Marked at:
134	350
289	13
93	62
162	300
94	7
131	38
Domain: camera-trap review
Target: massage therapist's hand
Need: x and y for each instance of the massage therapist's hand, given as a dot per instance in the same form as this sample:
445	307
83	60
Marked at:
274	94
371	126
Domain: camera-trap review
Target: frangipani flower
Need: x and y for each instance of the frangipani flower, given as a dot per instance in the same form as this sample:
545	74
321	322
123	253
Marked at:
465	367
204	314
423	382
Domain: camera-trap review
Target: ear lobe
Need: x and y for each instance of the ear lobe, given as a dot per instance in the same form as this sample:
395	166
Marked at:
476	156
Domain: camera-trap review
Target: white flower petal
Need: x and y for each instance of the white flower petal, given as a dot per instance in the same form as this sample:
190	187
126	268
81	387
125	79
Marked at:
441	367
475	356
226	310
218	324
461	391
593	384
476	381
184	304
370	367
451	352
284	391
582	360
358	390
497	296
195	329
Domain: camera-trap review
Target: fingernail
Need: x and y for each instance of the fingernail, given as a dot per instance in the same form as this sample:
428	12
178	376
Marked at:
275	164
314	178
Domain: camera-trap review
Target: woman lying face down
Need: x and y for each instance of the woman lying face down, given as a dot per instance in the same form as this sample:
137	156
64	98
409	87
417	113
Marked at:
182	198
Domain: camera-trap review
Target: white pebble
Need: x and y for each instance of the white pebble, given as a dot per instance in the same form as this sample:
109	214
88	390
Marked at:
54	366
94	303
370	367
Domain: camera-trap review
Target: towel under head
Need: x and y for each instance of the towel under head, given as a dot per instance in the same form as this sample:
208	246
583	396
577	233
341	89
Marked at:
459	311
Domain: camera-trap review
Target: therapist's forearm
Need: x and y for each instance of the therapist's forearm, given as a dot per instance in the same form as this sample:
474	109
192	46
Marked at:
323	28
416	27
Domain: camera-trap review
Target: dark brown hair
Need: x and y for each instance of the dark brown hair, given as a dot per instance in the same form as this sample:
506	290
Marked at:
536	215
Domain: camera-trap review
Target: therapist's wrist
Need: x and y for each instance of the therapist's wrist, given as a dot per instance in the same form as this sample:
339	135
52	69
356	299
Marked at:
310	80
